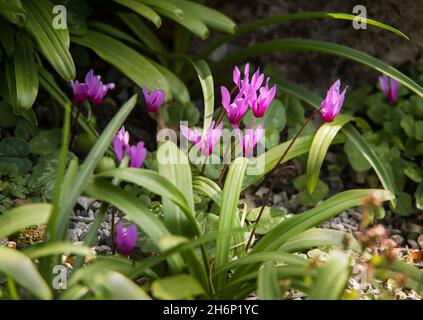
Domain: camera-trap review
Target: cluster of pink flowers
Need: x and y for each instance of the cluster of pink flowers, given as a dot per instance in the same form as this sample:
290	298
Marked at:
136	153
92	89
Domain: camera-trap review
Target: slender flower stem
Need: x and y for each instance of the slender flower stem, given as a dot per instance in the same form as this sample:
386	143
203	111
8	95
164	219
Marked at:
276	177
112	230
203	168
75	123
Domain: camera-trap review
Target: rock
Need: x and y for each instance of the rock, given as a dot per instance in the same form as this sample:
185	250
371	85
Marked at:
412	243
85	202
103	249
398	239
420	241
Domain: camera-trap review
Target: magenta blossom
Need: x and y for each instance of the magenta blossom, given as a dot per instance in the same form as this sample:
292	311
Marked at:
137	154
121	143
192	135
250	140
333	102
389	87
204	143
237	108
80	91
259	105
126	238
96	89
153	100
245	85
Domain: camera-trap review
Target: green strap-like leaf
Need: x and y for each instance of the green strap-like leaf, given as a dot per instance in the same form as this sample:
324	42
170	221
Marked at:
209	16
54	248
323	47
156	183
127	60
319	147
304	221
206	80
53	43
332	278
230	198
209	188
142	10
15	264
252	26
382	169
174	166
87	169
267	282
13	12
26	75
22	217
115	286
177	287
316	237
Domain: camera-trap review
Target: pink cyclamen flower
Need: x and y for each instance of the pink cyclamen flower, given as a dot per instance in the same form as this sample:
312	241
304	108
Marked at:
333	102
237	108
153	100
192	135
389	87
121	143
137	154
126	238
96	89
80	91
260	104
250	140
204	143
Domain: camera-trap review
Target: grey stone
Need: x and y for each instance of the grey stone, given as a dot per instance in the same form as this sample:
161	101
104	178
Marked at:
412	243
398	239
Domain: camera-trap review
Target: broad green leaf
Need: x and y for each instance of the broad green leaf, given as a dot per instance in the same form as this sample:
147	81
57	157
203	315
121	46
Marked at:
332	278
323	47
177	288
15	264
209	188
356	159
174	165
59	223
267	283
320	238
319	147
49	249
209	16
26	74
22	217
112	285
230	197
126	59
306	198
404	204
275	19
53	43
267	221
142	10
206	81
